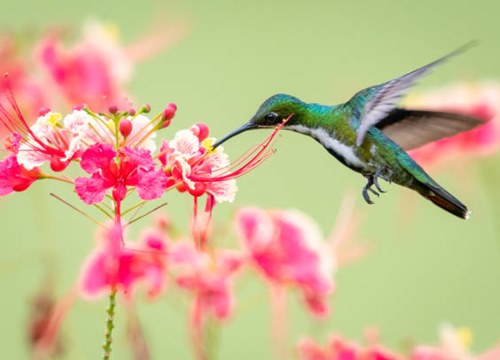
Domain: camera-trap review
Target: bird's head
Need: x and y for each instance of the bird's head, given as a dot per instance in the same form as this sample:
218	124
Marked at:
271	113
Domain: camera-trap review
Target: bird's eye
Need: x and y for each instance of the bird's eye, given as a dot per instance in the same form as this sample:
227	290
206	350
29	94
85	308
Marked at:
272	116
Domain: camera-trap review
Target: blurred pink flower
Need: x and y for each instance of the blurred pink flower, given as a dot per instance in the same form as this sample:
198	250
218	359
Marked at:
15	177
340	349
95	70
208	277
31	92
115	265
288	250
478	100
454	345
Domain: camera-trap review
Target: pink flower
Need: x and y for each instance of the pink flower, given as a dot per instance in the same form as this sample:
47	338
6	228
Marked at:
118	170
93	71
188	157
59	140
114	266
50	139
478	100
207	277
14	177
193	165
288	249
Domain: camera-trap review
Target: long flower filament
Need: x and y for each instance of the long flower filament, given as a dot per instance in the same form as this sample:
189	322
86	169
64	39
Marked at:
242	166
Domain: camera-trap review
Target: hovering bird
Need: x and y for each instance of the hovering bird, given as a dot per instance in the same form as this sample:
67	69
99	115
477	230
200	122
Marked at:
370	133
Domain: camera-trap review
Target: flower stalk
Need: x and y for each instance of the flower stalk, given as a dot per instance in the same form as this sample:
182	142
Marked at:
110	324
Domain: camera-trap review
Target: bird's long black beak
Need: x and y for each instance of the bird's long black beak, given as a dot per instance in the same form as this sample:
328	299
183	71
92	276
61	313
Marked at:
245	127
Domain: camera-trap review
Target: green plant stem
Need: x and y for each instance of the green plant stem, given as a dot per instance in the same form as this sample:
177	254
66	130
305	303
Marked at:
108	332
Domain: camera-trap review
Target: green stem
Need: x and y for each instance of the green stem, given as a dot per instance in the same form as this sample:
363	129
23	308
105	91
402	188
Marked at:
108	333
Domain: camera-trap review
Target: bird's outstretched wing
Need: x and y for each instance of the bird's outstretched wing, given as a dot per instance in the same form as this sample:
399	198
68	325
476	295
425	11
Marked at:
411	129
380	100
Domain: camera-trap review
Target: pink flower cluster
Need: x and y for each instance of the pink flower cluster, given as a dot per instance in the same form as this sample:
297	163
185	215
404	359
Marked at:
116	150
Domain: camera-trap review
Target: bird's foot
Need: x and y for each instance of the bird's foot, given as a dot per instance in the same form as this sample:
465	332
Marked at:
372	180
375	182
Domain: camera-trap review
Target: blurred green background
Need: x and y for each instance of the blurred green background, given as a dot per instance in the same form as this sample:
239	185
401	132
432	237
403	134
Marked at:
425	269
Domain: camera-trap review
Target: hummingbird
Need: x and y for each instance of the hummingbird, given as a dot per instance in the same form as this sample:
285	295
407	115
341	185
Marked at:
370	133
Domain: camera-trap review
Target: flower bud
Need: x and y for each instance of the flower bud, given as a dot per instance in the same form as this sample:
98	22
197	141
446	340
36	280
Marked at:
57	165
199	189
43	111
200	130
79	107
113	109
125	127
168	114
145	108
131	112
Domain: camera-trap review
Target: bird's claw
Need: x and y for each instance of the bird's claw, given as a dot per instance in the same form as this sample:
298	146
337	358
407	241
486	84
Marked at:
372	180
375	182
366	196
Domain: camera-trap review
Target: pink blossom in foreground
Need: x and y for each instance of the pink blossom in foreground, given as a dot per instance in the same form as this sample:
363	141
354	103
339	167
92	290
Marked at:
109	169
59	140
117	265
47	141
14	177
288	250
188	157
35	144
478	100
116	149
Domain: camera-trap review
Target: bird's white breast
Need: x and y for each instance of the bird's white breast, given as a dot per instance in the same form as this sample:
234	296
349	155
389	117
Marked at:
330	143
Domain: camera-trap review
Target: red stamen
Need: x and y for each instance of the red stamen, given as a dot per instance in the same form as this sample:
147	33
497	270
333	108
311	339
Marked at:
18	124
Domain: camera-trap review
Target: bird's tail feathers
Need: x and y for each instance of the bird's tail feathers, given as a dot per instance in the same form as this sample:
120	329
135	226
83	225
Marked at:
443	199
